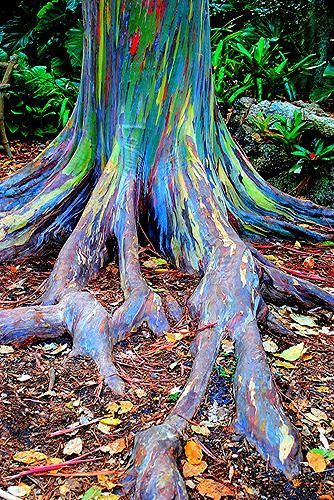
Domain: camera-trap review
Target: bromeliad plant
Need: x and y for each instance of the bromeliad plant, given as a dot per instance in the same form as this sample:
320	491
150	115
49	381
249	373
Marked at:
312	159
281	129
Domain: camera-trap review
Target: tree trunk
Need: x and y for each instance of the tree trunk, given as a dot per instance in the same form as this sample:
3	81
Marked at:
146	140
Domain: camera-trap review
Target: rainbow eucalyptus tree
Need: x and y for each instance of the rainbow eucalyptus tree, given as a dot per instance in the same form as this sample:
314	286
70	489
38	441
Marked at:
146	140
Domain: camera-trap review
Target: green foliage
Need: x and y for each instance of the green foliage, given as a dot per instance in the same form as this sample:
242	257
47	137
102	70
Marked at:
312	159
48	38
246	63
328	454
323	93
40	104
289	132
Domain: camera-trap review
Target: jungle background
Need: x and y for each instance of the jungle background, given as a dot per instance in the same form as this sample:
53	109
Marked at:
265	54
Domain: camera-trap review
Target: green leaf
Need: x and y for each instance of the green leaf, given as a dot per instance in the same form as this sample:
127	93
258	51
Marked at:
92	494
293	353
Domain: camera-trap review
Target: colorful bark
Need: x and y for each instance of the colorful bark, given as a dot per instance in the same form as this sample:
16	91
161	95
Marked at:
146	140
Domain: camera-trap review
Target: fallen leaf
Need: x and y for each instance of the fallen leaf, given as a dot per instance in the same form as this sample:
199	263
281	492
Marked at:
173	337
105	482
21	490
73	447
29	456
24	377
293	353
321	415
201	429
125	407
117	446
154	263
270	346
193	452
112	407
191	470
303	320
110	421
213	489
6	349
104	428
316	461
53	460
284	364
309	262
92	494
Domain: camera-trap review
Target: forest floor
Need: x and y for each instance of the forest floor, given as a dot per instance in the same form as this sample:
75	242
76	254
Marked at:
45	391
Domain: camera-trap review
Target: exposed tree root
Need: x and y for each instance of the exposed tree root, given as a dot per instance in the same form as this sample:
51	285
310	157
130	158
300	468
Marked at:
230	298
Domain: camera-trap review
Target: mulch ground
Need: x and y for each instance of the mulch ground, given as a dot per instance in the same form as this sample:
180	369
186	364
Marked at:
44	390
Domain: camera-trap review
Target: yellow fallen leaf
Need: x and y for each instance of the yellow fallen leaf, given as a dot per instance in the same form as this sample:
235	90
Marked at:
316	461
173	337
284	364
110	421
29	457
191	470
105	482
112	407
201	429
193	452
53	460
125	407
215	490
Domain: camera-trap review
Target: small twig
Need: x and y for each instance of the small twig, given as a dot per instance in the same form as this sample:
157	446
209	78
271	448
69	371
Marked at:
68	430
38	469
106	472
208	452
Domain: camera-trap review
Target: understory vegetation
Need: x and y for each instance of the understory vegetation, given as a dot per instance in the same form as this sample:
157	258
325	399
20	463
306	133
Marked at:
260	49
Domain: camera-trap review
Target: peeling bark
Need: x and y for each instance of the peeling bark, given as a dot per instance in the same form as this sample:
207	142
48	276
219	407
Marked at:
146	140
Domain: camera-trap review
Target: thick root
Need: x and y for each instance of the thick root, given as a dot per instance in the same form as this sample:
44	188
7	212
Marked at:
143	305
79	314
260	417
154	474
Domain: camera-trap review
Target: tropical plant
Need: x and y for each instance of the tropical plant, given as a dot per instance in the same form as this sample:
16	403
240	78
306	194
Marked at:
40	103
288	131
259	68
320	94
314	158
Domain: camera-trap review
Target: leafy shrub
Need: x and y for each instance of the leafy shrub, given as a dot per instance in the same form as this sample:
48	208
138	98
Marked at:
246	63
289	132
40	103
48	38
323	93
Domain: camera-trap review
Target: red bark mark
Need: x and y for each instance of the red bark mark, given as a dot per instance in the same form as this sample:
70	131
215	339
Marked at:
134	43
149	4
160	9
